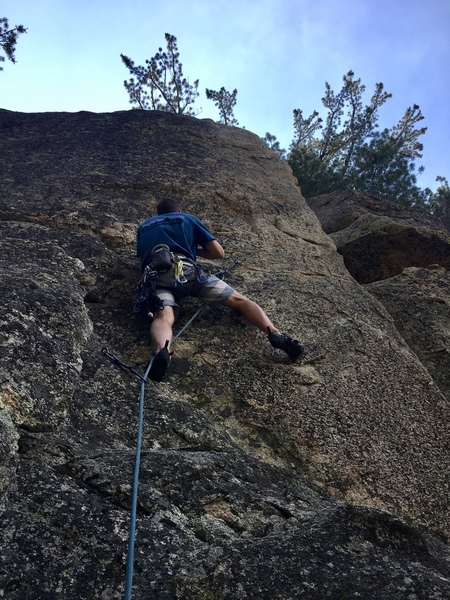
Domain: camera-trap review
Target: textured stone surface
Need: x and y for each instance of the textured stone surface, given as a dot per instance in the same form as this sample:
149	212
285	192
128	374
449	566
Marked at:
419	302
326	478
379	238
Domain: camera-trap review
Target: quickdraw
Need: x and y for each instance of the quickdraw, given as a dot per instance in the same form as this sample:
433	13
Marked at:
113	358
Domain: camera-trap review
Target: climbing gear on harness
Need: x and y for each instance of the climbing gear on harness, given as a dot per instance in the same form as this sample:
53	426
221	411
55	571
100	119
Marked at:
283	342
147	301
162	258
179	272
146	297
160	364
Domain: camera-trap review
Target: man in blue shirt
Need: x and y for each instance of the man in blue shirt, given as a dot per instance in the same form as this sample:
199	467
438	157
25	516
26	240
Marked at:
187	238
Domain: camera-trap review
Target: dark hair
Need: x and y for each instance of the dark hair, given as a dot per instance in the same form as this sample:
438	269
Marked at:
168	205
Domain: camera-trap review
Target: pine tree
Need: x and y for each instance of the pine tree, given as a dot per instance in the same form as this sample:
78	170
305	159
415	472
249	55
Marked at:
160	84
8	40
347	151
225	102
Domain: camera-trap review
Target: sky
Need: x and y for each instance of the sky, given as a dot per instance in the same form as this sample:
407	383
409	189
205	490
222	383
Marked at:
278	54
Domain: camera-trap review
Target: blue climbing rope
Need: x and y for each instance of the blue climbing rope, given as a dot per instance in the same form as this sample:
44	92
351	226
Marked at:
134	496
137	462
135	488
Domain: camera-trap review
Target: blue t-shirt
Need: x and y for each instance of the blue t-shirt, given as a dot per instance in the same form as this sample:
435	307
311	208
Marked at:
183	233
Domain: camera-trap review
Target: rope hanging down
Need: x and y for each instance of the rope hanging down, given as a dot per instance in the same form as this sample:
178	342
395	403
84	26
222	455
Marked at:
137	461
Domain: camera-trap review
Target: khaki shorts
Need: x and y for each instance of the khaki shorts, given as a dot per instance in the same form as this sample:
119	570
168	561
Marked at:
210	289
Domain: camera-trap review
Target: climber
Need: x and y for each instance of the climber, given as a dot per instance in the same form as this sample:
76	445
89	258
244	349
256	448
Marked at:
179	238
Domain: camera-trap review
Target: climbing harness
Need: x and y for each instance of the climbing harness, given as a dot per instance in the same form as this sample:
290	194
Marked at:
135	487
163	260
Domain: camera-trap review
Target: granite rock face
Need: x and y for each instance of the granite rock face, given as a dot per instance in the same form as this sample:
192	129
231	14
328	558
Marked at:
405	253
379	238
419	302
260	478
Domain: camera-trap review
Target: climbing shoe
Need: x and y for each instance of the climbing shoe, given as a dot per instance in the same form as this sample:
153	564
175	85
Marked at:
160	364
283	342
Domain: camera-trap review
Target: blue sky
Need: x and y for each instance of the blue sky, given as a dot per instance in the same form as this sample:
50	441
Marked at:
277	53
